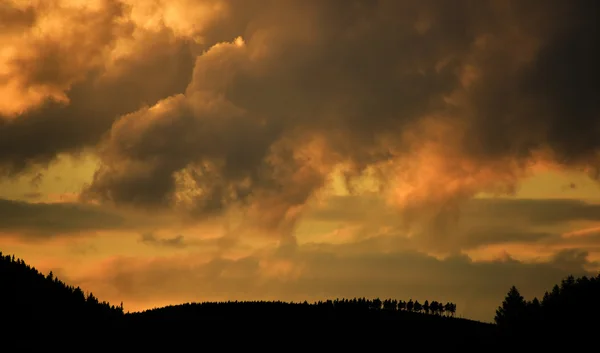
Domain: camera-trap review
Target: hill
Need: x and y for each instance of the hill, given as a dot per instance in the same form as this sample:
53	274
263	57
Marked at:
41	312
43	305
569	309
357	314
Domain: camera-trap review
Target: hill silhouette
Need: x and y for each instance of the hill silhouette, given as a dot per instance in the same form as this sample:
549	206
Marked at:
47	310
570	308
43	305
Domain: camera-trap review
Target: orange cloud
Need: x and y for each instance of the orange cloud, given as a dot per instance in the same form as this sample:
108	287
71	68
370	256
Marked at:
47	55
582	232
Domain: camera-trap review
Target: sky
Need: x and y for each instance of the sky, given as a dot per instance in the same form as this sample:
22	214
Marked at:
160	152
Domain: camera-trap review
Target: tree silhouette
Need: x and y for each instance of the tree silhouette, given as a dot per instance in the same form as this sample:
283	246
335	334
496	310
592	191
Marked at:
390	304
567	310
417	306
401	305
433	307
47	306
513	310
449	308
376	304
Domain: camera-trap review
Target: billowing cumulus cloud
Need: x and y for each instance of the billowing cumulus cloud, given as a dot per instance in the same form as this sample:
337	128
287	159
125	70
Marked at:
80	75
40	36
439	101
360	74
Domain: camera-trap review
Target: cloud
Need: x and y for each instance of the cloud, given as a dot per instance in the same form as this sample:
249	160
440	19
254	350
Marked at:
32	195
46	56
219	106
481	237
417	99
175	242
314	273
120	68
541	212
574	260
42	220
468	225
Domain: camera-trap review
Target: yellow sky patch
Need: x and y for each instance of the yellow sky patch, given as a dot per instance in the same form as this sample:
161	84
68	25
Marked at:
60	182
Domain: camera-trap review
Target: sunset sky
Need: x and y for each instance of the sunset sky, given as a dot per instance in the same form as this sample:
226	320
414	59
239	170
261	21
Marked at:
164	151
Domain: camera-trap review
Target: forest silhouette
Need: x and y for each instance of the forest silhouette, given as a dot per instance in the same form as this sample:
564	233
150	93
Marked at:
42	309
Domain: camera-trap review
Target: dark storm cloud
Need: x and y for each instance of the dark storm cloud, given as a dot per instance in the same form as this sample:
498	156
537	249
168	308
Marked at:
47	220
550	98
537	212
342	73
39	135
356	73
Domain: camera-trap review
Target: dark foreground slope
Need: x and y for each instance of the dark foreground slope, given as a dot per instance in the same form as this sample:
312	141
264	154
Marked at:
35	305
43	312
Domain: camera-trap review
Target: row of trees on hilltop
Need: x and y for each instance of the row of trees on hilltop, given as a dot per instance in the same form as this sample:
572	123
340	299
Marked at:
31	294
338	308
434	308
570	306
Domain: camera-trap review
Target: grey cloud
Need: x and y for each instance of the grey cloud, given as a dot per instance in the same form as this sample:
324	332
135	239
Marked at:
536	212
83	249
32	195
41	220
12	19
37	136
551	98
471	224
481	237
574	260
175	242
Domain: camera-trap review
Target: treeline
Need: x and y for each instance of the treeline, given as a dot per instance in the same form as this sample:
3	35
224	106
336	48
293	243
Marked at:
44	305
351	305
42	312
42	302
356	308
38	300
570	307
